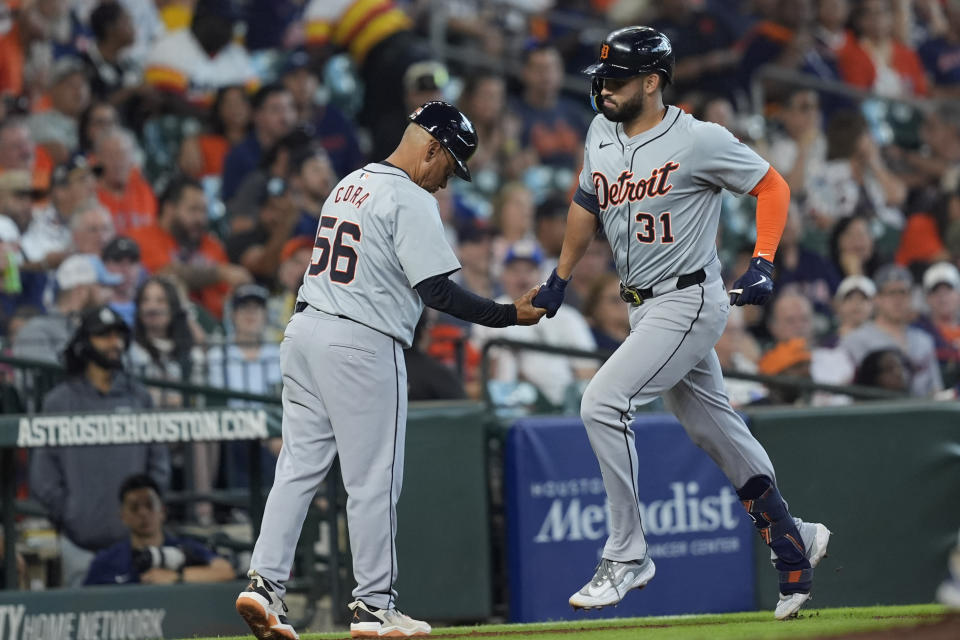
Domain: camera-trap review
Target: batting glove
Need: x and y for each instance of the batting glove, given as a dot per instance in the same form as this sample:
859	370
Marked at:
755	286
550	295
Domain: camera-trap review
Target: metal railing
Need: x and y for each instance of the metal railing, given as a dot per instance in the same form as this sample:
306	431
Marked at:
783	382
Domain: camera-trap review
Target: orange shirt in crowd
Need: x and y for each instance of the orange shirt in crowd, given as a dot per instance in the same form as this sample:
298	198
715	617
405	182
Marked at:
159	249
920	241
136	207
11	62
857	68
213	150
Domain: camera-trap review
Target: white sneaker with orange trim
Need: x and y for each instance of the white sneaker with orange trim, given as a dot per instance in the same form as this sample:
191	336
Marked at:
264	611
370	622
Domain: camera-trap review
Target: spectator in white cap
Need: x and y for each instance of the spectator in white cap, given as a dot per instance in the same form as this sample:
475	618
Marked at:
553	375
891	328
81	282
941	284
831	364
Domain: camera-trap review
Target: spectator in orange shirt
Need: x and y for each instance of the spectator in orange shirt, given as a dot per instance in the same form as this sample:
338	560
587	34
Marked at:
180	245
203	155
19	151
875	60
121	187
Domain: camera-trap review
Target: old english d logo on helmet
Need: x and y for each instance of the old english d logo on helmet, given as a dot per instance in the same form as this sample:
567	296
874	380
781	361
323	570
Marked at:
630	52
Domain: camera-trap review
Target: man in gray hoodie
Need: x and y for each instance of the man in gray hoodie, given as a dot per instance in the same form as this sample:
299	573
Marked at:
78	485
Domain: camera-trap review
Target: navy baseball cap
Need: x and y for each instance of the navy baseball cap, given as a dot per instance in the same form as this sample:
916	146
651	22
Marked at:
452	129
250	293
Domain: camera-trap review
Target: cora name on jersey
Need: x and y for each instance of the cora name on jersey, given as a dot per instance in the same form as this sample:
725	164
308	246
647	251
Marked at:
624	188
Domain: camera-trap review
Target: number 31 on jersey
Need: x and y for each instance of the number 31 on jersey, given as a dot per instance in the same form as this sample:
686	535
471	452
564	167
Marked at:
648	228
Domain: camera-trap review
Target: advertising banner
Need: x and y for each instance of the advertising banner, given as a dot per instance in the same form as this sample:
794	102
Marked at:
698	533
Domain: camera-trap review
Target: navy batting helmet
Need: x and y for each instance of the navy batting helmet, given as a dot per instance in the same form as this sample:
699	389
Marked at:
452	129
629	52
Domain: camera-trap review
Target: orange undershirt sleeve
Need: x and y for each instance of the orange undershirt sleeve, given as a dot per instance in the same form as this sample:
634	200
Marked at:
773	202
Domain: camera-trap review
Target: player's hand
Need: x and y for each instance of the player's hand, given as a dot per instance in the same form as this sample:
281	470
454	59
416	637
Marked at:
755	286
550	296
527	313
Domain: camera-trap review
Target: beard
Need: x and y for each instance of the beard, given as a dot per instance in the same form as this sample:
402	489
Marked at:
626	112
111	359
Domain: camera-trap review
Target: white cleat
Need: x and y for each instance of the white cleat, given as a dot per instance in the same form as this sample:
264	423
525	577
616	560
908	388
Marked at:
790	605
816	538
612	581
370	622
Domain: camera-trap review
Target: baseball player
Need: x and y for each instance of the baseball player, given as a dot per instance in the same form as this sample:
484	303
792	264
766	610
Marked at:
652	178
379	256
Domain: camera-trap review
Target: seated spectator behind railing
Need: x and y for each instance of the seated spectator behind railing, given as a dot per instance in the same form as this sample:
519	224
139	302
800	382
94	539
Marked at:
335	132
311	179
790	316
98	117
203	154
607	313
830	35
852	249
113	75
941	52
807	270
891	328
738	351
92	228
855	180
24	279
550	224
552	374
121	188
702	44
81	283
78	485
483	100
248	363
149	555
875	59
56	129
941	284
885	369
180	245
852	307
513	220
258	249
122	257
787	358
552	125
49	239
933	169
782	40
801	150
19	151
274	117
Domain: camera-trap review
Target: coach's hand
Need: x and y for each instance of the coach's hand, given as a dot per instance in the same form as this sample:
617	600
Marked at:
527	313
550	296
755	286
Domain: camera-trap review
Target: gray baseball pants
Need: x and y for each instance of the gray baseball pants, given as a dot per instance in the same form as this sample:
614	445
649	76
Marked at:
669	352
344	392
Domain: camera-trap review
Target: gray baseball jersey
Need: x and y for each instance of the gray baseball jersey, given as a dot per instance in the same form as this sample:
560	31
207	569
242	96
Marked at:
379	235
658	193
657	196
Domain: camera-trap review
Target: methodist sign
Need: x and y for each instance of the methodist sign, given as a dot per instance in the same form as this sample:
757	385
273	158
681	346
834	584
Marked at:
698	533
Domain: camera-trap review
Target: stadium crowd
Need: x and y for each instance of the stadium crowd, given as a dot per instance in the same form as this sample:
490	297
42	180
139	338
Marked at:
170	158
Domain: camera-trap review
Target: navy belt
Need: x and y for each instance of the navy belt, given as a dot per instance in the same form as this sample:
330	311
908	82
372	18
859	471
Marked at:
303	305
636	296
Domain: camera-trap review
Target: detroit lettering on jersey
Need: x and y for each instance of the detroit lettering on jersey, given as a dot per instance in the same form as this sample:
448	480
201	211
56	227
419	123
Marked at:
625	188
658	193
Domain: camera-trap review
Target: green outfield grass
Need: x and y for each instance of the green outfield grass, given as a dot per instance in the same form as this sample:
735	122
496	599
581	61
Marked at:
739	626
